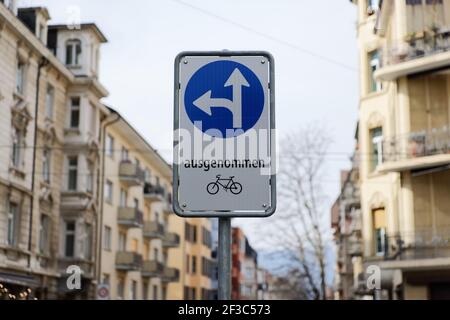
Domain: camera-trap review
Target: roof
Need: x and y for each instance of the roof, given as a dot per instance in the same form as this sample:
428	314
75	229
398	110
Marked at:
89	25
143	140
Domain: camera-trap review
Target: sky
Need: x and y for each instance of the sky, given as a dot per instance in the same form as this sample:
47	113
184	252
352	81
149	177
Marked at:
313	43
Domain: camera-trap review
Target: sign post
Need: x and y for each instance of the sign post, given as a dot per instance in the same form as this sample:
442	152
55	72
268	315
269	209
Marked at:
224	141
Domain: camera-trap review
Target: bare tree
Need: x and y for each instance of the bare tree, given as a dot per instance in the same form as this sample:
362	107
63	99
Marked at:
298	227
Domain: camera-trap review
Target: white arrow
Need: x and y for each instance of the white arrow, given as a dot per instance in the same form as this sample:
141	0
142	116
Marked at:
237	81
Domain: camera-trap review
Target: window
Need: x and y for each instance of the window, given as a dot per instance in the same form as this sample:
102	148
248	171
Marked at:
46	165
72	173
194	264
90	177
73	52
206	237
87	242
109	191
124	154
145	250
155	254
106	279
376	136
109	146
122	241
74	112
49	101
17	147
120	288
147	175
107	239
123	198
13	219
145	290
134	245
374	65
69	242
155	292
372	6
379	228
194	233
187	263
44	234
136	203
133	290
20	77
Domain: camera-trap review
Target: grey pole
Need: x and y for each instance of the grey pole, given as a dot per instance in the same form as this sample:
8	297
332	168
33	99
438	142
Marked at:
224	267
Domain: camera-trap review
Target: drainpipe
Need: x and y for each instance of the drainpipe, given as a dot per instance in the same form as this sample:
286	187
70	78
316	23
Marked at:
42	63
100	186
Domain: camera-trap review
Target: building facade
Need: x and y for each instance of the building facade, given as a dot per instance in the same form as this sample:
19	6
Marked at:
193	258
137	203
244	268
51	115
346	225
81	192
404	141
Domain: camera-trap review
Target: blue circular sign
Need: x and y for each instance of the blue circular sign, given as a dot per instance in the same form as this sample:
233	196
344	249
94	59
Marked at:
224	98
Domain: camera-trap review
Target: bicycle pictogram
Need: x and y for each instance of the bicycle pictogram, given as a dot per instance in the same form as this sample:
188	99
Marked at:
226	184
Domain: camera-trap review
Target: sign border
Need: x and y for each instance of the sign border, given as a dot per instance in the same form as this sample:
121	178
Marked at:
176	124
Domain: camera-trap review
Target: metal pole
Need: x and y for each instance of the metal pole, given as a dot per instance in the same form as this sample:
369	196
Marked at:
224	259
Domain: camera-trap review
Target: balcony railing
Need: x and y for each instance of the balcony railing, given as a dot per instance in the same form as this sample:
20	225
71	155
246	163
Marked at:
417	45
424	243
170	275
130	173
130	217
153	230
417	144
152	269
128	261
153	193
171	240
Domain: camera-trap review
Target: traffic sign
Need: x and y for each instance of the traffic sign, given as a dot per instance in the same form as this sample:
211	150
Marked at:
102	292
224	121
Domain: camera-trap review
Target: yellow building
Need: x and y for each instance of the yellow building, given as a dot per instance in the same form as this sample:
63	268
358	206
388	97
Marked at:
404	123
137	200
193	258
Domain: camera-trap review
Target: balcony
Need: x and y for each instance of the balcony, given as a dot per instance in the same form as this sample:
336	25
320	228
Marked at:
130	174
171	240
128	261
153	193
153	230
152	269
422	249
170	275
130	217
417	150
420	52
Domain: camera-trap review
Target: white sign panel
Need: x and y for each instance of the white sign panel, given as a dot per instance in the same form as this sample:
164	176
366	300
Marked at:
224	134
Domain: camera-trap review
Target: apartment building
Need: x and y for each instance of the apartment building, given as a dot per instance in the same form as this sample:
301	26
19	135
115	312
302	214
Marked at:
49	96
404	140
244	268
137	203
346	225
193	258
